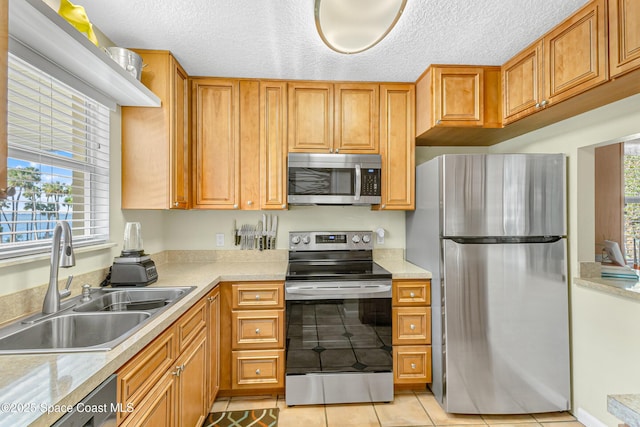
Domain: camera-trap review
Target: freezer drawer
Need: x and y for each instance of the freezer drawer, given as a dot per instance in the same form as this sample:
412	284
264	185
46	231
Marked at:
506	328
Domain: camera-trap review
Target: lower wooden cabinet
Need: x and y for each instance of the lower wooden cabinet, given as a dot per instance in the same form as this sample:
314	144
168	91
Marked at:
257	369
411	334
412	364
169	382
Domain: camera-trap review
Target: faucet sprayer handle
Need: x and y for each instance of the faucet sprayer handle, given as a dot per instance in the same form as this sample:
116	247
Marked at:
66	291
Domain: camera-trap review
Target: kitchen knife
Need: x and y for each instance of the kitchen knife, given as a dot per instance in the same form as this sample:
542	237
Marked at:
263	235
274	231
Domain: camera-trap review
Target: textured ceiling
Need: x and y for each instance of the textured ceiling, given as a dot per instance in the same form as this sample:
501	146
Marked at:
278	38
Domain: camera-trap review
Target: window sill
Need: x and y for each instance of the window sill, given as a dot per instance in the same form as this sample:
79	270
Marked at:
46	256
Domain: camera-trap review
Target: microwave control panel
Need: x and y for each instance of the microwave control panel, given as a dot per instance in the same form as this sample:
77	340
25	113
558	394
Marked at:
370	182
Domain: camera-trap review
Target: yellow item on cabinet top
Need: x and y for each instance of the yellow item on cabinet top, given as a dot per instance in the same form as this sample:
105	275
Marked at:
77	17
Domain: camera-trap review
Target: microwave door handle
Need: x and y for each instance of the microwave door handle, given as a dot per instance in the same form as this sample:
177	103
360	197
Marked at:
358	182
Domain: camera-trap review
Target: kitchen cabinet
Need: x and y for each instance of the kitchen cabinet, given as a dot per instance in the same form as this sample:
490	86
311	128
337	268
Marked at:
213	356
252	339
273	145
216	146
397	146
624	36
239	143
166	383
4	39
456	102
411	333
567	61
160	181
333	118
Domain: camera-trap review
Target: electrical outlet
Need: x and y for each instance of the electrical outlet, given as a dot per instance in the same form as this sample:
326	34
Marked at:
219	239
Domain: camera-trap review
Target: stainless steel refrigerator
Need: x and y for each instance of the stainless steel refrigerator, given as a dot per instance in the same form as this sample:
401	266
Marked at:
492	231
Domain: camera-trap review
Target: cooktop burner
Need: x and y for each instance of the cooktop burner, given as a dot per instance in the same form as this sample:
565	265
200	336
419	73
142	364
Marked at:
333	256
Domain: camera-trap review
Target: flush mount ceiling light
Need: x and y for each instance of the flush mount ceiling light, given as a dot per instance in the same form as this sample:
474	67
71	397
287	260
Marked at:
352	26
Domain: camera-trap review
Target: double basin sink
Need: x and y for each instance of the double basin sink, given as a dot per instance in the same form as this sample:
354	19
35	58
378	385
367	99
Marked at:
96	324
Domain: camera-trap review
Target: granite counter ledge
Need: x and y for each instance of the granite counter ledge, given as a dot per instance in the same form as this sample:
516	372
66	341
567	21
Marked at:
625	407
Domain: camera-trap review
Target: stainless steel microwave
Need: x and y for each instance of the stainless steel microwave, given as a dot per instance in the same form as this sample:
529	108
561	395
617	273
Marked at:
334	179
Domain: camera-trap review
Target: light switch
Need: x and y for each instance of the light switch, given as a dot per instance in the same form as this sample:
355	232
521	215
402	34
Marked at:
219	239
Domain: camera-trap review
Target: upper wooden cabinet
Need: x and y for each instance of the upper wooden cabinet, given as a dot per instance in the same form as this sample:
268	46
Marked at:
624	36
455	102
216	147
328	118
4	37
273	145
160	181
567	61
397	146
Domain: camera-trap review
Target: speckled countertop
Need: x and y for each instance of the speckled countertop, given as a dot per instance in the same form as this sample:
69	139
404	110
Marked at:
590	277
37	389
625	407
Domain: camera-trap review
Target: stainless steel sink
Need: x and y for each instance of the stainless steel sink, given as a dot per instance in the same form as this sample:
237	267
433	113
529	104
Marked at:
133	299
107	319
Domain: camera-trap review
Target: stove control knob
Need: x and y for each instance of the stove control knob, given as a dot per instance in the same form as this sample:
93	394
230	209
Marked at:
366	238
305	240
295	240
355	238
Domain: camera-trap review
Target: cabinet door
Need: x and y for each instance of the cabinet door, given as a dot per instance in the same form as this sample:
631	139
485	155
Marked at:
576	54
213	345
216	159
310	117
179	134
522	82
356	118
192	379
146	179
250	144
624	36
458	95
397	146
273	145
157	408
4	37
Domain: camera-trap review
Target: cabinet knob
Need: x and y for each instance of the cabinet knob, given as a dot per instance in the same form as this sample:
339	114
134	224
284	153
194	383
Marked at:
544	103
257	331
412	294
537	105
176	204
383	206
412	327
438	122
413	366
257	297
235	206
257	371
250	203
211	299
337	150
284	206
331	150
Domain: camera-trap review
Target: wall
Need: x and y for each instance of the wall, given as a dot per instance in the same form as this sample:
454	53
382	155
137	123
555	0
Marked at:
605	344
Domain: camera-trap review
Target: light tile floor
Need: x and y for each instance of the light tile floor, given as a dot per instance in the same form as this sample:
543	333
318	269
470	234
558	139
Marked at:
409	409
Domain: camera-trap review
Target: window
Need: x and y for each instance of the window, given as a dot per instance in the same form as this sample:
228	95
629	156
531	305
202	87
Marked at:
631	200
58	140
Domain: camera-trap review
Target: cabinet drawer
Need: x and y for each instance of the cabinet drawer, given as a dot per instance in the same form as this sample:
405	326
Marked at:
139	375
411	325
252	329
412	293
190	324
254	369
252	296
412	364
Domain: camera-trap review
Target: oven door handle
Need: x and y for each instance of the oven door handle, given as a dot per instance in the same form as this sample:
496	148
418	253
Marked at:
337	290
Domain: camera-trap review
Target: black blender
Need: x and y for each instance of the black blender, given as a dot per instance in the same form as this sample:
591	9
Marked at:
133	267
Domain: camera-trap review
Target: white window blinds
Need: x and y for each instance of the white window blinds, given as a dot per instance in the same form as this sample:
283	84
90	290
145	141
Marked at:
58	162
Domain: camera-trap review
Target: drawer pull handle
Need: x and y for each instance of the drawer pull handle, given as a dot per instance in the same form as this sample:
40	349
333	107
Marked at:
413	366
257	371
257	331
412	327
412	295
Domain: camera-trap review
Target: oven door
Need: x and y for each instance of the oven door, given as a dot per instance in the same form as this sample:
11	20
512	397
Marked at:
338	342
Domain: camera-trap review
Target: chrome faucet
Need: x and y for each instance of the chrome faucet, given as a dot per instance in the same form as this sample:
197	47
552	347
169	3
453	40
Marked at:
68	259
